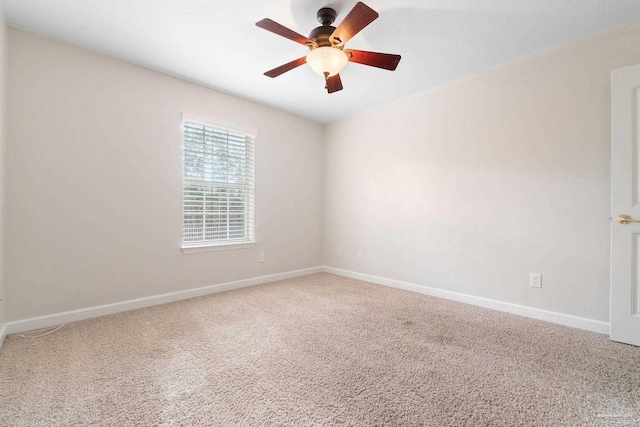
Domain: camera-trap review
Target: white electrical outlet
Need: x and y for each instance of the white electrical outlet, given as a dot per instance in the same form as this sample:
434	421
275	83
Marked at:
261	257
535	280
360	255
339	252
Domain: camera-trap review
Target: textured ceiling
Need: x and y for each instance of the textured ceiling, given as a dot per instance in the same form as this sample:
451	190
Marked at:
215	42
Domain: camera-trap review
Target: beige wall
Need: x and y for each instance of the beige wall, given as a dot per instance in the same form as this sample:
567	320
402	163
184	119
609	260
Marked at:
3	102
473	185
468	187
94	166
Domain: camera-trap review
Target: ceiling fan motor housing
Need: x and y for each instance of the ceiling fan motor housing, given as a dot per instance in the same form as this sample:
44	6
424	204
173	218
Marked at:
320	35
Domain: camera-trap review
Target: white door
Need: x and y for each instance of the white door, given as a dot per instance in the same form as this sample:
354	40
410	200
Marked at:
625	205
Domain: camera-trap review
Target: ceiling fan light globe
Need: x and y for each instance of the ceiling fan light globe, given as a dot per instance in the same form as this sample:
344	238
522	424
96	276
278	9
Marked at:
325	60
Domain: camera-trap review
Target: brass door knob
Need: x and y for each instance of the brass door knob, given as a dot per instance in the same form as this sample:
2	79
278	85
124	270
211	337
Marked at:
625	219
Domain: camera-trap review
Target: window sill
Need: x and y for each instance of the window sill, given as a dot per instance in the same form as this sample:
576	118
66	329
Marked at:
216	247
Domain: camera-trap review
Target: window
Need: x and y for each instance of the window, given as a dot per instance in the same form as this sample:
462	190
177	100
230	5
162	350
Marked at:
218	186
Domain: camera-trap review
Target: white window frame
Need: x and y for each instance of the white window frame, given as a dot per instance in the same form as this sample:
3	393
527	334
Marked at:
249	209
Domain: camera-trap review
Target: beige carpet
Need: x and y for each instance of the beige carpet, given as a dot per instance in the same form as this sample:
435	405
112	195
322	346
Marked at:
314	351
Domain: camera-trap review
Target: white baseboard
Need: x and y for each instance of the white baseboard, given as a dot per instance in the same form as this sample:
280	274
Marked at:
3	333
34	323
521	310
19	326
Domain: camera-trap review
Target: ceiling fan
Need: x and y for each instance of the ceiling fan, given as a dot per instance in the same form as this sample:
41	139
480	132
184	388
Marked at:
326	43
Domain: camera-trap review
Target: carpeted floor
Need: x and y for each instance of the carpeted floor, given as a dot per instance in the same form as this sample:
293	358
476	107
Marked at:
315	351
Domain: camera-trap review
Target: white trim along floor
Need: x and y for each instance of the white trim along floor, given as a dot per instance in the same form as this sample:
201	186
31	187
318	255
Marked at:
34	323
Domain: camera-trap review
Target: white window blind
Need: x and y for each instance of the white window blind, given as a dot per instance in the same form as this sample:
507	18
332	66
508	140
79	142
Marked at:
218	186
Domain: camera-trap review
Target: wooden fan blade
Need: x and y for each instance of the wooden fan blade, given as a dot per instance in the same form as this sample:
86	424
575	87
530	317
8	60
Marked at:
386	61
360	16
334	84
286	67
283	31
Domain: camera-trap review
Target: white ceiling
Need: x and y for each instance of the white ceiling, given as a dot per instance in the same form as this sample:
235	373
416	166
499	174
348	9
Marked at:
215	42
